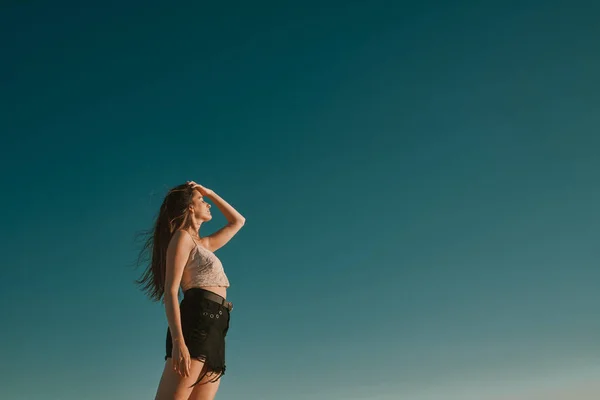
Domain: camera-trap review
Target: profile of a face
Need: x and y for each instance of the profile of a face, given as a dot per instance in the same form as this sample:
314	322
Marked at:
199	207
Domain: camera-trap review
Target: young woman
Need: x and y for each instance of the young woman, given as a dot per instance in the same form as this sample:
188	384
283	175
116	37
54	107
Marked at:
180	257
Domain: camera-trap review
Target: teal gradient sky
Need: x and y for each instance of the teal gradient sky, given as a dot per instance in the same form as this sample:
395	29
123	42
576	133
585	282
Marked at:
420	183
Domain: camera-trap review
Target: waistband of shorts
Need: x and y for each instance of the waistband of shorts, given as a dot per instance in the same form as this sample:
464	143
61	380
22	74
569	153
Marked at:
207	294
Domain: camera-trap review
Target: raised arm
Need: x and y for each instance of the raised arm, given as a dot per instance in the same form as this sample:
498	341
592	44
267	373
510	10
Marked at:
235	220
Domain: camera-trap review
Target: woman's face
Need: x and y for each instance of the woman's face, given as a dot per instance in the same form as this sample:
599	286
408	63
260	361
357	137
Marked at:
201	208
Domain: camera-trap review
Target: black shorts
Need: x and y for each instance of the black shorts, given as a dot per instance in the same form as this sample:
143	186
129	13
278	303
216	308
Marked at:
204	324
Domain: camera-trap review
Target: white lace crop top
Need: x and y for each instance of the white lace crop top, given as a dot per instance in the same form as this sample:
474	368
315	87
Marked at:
203	268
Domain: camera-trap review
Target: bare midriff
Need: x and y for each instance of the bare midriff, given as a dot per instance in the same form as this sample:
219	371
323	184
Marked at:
220	290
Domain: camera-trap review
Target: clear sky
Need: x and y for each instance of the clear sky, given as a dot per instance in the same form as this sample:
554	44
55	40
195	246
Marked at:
420	183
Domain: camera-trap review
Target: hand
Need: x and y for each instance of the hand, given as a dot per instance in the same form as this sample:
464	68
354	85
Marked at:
182	362
203	191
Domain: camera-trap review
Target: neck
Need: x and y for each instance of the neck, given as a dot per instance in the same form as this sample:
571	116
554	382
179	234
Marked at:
195	228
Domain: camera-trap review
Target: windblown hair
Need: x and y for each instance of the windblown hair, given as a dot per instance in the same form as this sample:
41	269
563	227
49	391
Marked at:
172	216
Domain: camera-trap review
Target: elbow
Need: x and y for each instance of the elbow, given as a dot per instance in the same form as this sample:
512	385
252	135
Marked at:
171	296
240	221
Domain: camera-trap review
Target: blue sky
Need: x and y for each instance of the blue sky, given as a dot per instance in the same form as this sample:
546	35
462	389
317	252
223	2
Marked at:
420	184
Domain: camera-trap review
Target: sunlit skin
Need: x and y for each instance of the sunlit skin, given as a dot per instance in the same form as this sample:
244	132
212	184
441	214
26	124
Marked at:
181	371
200	211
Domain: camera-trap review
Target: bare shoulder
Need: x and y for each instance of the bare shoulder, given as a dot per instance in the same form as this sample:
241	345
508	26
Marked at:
181	241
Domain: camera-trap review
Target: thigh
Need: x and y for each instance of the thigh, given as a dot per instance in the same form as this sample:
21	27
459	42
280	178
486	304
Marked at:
205	391
173	386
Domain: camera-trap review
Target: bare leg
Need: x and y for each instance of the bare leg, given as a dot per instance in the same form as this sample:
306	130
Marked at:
205	391
173	386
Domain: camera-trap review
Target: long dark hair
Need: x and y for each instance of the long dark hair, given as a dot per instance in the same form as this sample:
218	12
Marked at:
172	216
